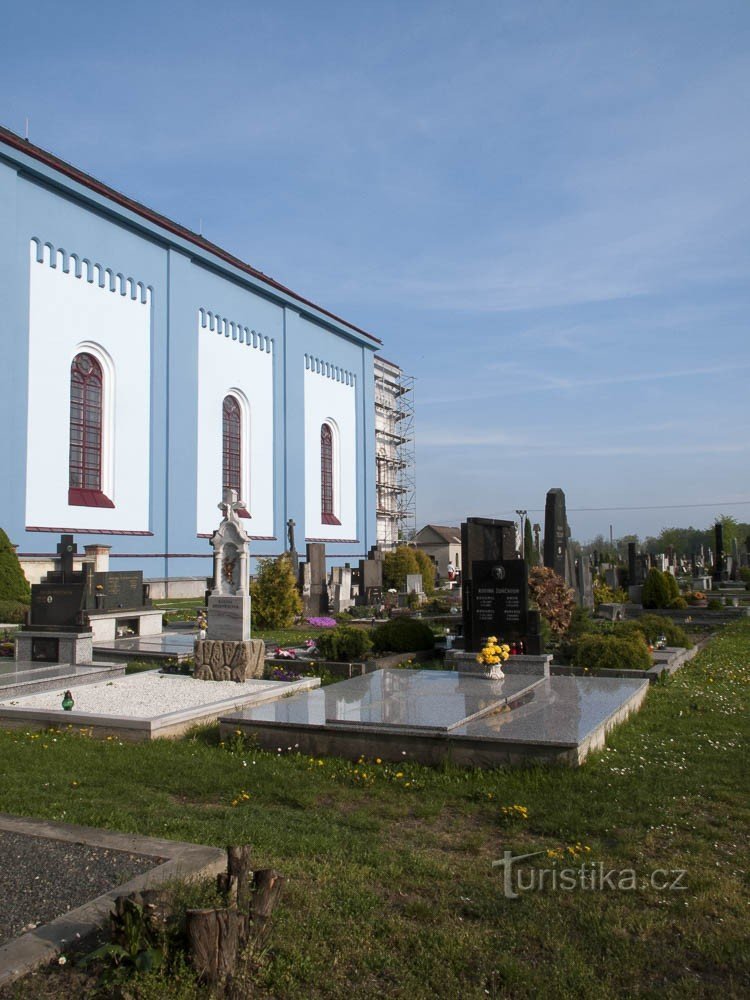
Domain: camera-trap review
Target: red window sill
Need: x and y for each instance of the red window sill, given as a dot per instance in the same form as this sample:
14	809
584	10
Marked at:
329	519
88	498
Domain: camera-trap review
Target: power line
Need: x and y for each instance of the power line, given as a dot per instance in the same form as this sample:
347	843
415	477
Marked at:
580	510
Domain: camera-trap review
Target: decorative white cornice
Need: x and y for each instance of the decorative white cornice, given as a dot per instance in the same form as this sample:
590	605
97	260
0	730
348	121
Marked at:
319	367
80	267
235	331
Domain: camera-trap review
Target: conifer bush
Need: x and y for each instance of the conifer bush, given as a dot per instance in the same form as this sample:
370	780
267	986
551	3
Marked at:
656	591
13	584
275	598
397	565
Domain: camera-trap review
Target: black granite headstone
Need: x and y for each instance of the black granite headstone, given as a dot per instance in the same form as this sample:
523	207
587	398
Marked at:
499	601
67	549
482	539
719	558
555	531
632	565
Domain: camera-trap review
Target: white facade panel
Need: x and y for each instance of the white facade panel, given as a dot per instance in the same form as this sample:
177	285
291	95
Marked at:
331	400
243	369
68	315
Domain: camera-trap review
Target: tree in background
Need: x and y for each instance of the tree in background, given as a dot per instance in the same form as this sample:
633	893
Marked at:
397	565
276	600
529	552
427	569
13	584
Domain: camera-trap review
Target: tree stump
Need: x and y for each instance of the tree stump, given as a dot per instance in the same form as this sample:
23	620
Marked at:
213	939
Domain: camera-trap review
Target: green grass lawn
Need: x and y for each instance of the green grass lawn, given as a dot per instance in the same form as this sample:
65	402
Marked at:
391	888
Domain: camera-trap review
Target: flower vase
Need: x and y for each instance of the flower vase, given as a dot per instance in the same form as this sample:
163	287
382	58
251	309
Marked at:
494	671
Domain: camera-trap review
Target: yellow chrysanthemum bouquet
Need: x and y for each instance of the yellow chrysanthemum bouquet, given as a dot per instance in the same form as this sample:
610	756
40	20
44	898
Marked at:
493	652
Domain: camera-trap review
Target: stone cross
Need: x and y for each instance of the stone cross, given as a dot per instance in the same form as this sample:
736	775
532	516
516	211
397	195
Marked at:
67	548
231	547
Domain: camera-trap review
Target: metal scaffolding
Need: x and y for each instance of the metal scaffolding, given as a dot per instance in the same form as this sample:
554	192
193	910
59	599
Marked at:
394	454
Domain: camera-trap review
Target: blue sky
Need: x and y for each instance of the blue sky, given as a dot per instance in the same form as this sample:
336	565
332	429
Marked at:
541	208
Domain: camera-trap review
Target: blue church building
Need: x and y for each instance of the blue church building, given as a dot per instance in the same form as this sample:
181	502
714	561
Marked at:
146	369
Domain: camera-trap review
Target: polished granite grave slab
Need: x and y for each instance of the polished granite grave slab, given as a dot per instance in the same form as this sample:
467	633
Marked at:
428	715
20	677
166	645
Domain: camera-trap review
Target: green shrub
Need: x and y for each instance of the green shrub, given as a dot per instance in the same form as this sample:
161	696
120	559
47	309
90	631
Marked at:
607	652
427	569
13	612
714	604
13	584
361	611
678	602
276	600
402	635
656	590
397	565
581	623
673	587
651	626
343	643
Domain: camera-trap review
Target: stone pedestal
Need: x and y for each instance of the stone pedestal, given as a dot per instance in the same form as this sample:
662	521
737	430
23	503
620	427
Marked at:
466	663
49	646
229	617
229	661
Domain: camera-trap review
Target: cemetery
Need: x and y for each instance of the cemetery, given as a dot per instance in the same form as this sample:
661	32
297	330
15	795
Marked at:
375	689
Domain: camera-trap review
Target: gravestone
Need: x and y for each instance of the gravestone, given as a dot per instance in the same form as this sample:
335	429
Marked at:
499	601
371	578
555	532
584	584
229	600
719	560
414	583
228	652
314	583
340	589
58	630
291	524
632	565
482	539
736	561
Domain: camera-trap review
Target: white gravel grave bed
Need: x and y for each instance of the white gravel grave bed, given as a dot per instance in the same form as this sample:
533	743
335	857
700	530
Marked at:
148	695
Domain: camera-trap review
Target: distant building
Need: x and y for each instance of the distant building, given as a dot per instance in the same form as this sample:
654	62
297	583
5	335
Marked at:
394	453
442	544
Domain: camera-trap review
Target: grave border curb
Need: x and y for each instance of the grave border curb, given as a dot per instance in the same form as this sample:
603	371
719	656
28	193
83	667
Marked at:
172	859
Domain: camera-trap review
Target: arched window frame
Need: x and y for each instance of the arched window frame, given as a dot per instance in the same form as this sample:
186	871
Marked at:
87	491
329	473
240	479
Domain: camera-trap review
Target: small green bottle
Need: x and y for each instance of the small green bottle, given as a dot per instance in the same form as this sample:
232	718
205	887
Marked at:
67	702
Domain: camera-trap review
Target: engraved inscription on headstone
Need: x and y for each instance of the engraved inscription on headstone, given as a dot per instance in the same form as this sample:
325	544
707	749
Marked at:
499	600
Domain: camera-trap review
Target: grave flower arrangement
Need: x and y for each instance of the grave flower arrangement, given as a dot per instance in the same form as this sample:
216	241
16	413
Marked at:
322	622
285	654
493	653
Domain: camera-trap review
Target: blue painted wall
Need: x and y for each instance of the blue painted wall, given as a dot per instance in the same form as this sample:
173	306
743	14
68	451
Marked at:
36	200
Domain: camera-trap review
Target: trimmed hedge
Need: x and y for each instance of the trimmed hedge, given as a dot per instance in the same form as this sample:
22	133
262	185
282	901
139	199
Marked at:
402	635
13	612
612	652
343	644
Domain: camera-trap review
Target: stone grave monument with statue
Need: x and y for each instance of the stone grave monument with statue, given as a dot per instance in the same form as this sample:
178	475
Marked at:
228	652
